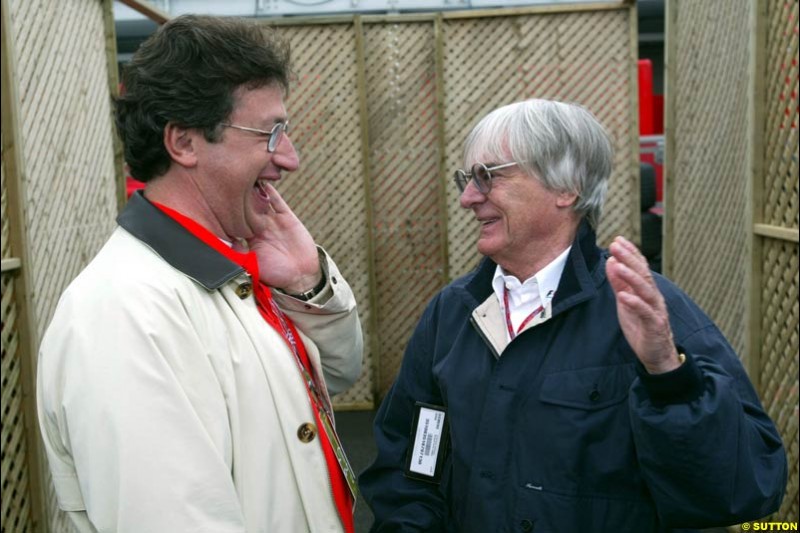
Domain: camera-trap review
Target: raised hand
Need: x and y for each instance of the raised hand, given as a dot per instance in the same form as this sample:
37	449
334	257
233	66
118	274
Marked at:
640	307
287	255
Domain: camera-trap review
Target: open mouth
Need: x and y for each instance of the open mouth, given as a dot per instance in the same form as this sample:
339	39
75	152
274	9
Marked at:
261	190
487	221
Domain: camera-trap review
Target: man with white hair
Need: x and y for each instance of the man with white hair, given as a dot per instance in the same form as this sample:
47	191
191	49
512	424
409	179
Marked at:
560	387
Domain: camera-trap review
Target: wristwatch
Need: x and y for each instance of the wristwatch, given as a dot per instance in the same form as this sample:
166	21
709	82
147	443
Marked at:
310	293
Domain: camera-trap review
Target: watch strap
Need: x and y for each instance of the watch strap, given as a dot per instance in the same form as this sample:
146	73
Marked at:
309	294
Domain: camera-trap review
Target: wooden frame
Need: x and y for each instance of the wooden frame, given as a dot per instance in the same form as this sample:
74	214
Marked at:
440	133
113	90
756	187
633	127
148	10
670	55
375	340
452	15
26	319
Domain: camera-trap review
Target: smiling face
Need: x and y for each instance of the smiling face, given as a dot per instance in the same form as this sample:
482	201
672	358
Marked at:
230	173
523	224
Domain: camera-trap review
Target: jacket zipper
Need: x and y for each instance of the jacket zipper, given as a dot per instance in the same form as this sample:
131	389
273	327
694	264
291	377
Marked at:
485	340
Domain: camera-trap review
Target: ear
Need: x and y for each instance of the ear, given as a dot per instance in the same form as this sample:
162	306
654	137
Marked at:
566	199
179	143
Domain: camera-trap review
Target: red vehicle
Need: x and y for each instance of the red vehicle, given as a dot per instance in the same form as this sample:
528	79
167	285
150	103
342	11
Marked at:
651	157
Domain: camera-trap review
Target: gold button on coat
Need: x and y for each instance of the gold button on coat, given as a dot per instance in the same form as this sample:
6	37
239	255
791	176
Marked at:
306	432
244	290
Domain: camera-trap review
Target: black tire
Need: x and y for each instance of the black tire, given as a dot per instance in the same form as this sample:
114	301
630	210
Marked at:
651	235
647	177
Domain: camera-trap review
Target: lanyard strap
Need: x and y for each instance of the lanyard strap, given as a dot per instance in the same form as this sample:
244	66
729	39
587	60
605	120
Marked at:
322	407
291	340
511	332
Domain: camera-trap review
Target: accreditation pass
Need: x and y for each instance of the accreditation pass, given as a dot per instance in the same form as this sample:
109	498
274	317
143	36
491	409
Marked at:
428	439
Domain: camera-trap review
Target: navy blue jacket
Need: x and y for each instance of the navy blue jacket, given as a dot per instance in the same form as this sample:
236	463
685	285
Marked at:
566	431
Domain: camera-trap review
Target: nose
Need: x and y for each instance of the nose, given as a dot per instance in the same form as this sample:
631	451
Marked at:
471	196
285	156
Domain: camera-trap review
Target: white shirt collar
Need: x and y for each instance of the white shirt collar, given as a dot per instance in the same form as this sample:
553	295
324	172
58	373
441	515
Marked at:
525	297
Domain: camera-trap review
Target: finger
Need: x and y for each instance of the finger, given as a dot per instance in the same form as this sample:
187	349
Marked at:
652	321
641	286
635	305
614	278
628	254
277	202
637	255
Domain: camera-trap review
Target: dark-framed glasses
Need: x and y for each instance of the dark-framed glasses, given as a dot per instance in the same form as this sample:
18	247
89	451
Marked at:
481	176
275	134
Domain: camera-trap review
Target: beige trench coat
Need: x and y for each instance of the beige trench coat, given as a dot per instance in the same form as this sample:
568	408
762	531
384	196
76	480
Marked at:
168	407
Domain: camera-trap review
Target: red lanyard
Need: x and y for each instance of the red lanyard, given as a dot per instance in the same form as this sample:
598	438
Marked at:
289	335
323	413
511	332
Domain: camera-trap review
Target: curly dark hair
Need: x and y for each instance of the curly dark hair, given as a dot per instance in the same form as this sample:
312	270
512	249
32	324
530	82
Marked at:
186	73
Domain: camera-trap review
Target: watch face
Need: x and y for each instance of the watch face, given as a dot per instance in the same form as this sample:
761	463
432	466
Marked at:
307	295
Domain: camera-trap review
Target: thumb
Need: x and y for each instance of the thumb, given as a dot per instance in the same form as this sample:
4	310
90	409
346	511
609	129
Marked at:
240	245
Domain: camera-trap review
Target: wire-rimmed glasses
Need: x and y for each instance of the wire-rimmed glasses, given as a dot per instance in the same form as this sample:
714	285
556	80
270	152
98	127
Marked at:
481	176
275	134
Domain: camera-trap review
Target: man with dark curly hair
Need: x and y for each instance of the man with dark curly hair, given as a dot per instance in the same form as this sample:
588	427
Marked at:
184	383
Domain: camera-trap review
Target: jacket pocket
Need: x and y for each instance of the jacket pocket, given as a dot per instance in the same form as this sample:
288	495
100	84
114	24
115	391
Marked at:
588	389
547	512
581	448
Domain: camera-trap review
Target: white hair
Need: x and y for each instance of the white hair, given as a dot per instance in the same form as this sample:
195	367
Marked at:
562	145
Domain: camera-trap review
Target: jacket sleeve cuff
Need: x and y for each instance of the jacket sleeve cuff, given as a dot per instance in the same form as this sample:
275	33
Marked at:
682	385
336	295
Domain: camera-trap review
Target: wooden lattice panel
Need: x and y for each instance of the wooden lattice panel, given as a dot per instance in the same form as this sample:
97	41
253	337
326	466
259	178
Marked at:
581	57
327	192
404	161
402	126
779	273
16	510
780	169
67	152
16	506
708	164
779	356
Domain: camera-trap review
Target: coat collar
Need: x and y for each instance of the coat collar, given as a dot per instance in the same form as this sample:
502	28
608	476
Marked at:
176	245
583	273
